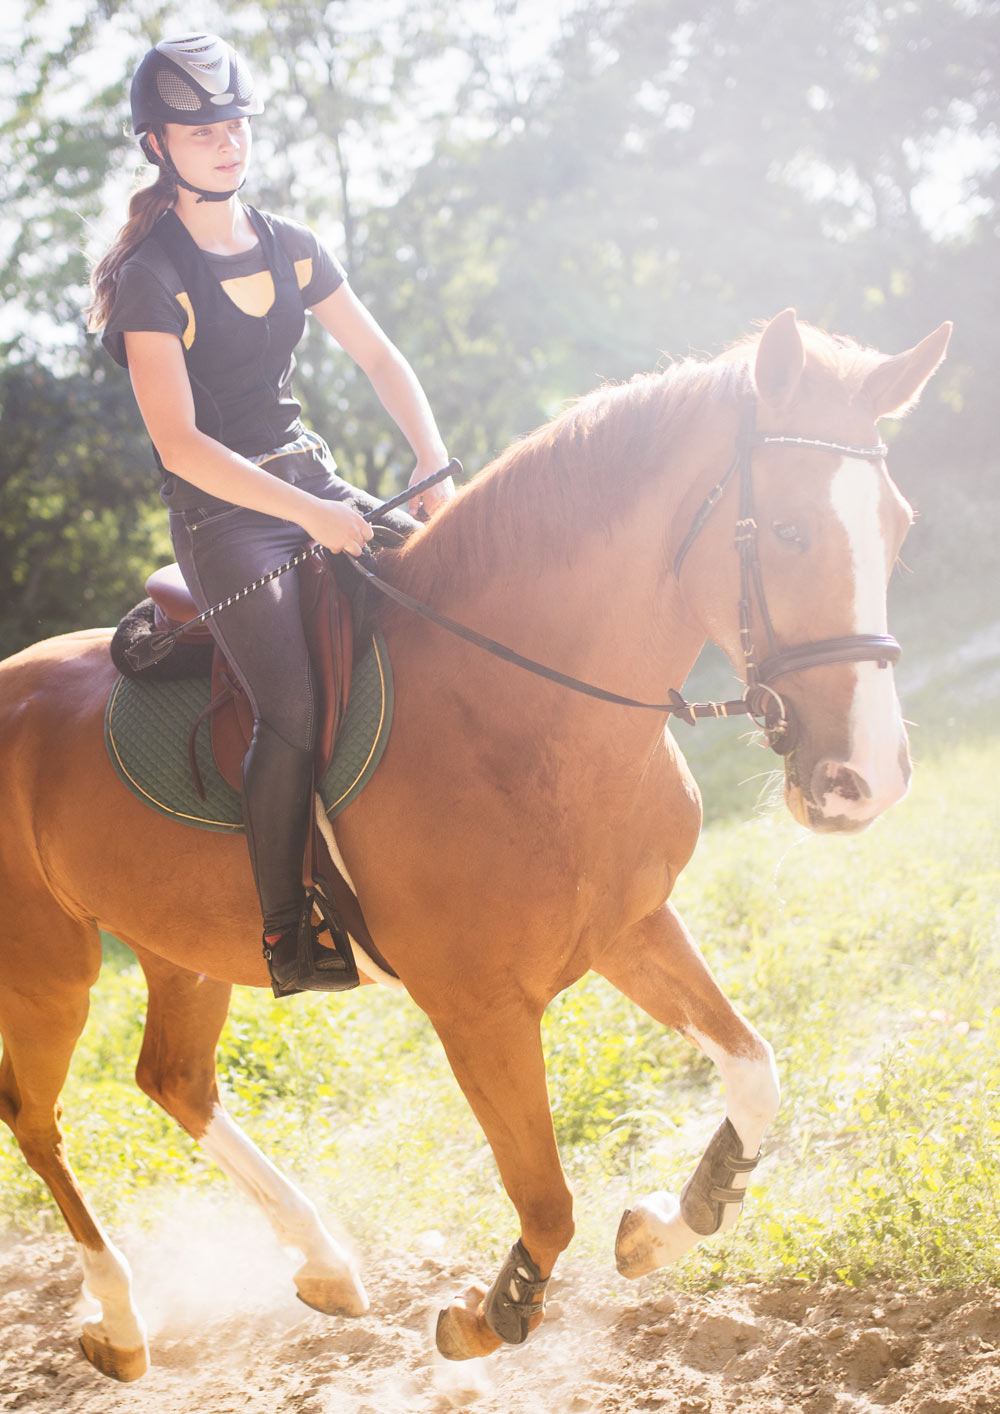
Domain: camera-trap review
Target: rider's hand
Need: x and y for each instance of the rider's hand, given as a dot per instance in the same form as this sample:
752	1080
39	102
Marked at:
436	496
337	526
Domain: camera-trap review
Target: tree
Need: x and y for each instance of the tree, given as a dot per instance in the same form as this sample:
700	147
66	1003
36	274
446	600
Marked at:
80	525
525	221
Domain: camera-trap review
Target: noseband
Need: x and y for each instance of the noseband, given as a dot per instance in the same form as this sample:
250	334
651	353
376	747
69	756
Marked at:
763	703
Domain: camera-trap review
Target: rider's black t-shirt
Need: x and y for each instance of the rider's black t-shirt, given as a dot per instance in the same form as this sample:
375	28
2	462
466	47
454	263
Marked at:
238	319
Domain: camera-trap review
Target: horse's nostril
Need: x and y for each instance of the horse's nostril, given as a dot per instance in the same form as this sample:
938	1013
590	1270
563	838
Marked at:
836	778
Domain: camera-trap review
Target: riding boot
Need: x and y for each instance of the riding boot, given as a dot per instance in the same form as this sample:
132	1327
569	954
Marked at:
277	812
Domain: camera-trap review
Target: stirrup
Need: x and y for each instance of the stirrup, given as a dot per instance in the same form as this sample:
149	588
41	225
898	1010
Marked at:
299	962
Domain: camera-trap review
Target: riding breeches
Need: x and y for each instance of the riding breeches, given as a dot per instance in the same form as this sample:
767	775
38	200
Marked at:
220	551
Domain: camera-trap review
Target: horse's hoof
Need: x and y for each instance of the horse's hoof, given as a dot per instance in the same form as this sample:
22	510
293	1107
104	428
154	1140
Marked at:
340	1294
461	1332
650	1235
123	1365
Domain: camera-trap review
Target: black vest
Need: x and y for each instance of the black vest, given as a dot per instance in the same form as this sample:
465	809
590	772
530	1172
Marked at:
240	365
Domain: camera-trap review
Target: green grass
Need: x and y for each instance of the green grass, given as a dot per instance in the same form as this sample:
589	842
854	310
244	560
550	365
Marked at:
872	964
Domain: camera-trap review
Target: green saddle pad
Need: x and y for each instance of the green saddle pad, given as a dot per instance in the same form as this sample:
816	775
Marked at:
147	726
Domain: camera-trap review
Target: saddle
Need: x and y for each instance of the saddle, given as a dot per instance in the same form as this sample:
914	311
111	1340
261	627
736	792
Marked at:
328	623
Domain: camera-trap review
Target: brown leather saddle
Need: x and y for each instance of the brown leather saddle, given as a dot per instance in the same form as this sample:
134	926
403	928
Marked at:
328	622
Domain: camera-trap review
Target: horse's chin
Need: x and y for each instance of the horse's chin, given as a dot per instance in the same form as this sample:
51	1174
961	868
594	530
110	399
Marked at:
806	814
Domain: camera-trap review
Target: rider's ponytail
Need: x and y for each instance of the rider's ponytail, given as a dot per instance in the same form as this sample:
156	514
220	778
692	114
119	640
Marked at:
146	207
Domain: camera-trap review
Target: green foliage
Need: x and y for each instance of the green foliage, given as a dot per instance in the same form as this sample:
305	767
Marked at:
871	963
529	206
80	521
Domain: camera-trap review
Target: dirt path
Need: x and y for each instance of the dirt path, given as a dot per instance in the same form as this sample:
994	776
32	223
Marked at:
228	1337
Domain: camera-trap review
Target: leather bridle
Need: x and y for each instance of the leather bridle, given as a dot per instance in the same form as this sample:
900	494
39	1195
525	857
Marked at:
763	703
760	700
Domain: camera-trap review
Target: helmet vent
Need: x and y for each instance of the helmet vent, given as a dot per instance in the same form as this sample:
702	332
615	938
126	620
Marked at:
176	93
241	82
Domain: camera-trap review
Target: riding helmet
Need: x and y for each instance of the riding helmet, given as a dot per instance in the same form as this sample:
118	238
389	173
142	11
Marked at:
194	79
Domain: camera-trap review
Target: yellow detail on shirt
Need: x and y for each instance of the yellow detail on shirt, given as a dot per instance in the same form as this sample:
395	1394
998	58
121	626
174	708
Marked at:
253	294
187	338
304	271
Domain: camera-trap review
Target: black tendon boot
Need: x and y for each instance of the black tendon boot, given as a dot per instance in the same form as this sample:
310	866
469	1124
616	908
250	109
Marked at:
277	811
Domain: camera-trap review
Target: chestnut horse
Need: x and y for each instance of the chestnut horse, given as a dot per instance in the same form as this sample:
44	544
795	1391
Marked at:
516	834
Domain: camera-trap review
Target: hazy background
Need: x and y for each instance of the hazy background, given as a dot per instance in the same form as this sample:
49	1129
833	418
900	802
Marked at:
529	202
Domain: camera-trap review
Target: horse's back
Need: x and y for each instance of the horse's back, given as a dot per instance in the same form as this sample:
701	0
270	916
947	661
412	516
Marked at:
58	673
52	698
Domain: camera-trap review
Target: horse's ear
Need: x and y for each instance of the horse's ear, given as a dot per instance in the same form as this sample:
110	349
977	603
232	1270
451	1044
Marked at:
895	385
780	360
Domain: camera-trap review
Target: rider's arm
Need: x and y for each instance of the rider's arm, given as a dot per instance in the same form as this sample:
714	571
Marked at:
163	393
344	316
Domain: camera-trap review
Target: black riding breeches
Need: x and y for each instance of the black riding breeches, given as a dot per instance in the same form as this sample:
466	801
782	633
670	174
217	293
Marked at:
219	553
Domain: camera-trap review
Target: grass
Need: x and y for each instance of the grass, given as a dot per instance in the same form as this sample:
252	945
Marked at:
872	964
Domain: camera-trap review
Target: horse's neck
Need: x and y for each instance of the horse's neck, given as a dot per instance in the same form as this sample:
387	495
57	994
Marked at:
609	612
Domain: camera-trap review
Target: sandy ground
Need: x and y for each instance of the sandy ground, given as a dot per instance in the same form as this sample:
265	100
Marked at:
227	1336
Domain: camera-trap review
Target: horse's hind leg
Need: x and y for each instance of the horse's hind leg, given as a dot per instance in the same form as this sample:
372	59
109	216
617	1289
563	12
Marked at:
177	1069
39	1033
660	967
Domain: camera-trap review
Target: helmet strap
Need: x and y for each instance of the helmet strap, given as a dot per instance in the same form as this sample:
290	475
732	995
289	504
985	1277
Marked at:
167	163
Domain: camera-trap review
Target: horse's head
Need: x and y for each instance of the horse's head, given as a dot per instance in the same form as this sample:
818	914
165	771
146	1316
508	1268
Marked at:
820	525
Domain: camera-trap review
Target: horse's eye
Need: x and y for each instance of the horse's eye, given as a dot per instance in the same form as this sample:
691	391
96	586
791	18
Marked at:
786	531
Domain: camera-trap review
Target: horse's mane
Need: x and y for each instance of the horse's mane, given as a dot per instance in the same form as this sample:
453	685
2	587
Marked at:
585	468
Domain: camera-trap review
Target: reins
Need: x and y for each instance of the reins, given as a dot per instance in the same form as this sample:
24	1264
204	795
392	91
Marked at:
676	705
156	646
760	701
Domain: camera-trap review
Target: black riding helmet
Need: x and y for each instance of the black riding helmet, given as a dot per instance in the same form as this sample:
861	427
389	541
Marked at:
194	79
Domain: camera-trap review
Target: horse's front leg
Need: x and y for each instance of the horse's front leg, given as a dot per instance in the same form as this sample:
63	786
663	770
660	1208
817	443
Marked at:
658	964
177	1069
495	1051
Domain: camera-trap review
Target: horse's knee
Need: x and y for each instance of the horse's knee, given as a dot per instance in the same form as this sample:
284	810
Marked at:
753	1093
43	1148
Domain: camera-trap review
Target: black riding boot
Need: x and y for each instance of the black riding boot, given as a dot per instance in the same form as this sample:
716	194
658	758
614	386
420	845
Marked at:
277	812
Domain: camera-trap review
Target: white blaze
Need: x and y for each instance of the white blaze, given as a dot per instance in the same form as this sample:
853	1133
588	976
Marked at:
855	498
876	733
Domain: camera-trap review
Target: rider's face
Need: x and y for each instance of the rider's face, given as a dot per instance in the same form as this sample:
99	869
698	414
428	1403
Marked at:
214	156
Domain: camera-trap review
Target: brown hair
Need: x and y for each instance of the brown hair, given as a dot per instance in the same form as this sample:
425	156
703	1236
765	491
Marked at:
144	210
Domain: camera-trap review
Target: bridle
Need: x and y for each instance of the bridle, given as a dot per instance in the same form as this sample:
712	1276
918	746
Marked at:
760	701
763	703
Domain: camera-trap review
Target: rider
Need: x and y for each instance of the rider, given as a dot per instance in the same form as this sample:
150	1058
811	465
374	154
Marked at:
203	299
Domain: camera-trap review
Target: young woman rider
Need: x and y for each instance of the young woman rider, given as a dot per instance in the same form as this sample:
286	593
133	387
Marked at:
203	299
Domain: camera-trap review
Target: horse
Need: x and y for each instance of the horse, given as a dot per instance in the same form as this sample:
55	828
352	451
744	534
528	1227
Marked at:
519	832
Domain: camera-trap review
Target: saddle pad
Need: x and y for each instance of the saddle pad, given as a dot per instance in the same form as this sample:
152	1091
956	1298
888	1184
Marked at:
147	726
